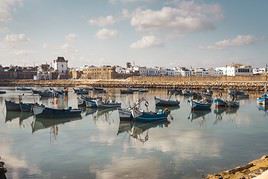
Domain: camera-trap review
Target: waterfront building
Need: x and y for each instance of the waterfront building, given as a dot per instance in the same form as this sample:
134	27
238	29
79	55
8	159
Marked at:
183	71
44	72
259	71
239	70
61	66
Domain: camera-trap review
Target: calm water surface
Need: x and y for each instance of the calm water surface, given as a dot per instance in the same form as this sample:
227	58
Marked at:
100	146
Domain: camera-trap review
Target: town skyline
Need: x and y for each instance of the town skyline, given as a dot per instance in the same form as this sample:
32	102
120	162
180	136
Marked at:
150	33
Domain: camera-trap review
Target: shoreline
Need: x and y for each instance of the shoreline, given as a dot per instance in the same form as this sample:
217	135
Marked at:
255	169
150	82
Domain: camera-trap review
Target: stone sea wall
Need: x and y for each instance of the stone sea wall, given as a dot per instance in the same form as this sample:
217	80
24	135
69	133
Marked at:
250	83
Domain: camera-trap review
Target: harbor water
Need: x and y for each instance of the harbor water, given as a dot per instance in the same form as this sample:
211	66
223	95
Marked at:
98	145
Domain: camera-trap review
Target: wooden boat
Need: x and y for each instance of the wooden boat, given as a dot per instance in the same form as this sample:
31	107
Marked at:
99	90
40	111
107	104
126	91
238	94
201	104
125	114
263	100
225	103
143	90
175	91
81	91
166	103
140	116
24	88
2	92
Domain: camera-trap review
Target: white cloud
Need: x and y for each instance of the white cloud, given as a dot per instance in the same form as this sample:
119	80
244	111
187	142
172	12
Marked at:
130	1
6	7
106	33
240	40
16	38
23	52
146	42
102	21
187	16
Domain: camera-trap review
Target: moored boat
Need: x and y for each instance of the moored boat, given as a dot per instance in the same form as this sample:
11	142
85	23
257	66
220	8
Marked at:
141	116
238	94
23	107
107	104
2	92
166	102
40	111
24	88
126	91
200	104
125	114
220	102
263	100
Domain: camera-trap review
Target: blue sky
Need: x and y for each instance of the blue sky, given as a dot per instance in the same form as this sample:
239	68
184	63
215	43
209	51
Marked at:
150	32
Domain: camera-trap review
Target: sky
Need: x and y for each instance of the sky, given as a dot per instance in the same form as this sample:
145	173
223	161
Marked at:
192	33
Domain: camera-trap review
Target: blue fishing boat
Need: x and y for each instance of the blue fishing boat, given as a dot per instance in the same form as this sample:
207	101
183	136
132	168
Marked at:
143	90
166	102
141	116
107	104
201	104
238	94
40	111
263	100
125	114
220	102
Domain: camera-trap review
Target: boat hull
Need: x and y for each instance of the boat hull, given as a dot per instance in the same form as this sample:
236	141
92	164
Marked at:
200	106
166	103
56	113
151	117
125	114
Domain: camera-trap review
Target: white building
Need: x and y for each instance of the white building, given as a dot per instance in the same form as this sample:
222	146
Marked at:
259	71
61	65
182	71
235	70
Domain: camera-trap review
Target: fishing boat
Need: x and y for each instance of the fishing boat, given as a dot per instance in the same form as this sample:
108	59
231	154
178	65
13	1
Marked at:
187	93
220	102
125	114
40	111
238	94
143	90
174	91
24	88
141	116
201	104
126	91
99	90
81	91
23	107
225	103
107	104
2	92
263	100
166	102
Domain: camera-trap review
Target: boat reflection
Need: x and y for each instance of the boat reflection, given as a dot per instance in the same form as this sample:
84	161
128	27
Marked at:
139	131
11	115
198	114
39	124
263	108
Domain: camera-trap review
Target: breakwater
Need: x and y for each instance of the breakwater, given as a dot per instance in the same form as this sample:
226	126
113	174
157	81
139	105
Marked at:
249	83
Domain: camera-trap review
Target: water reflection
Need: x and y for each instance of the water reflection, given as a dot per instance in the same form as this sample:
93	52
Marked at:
11	115
39	124
139	131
